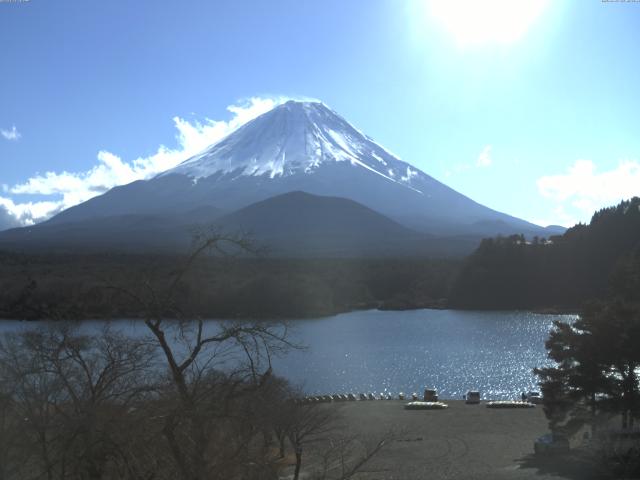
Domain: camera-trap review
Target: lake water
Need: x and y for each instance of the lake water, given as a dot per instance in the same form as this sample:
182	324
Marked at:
453	351
391	351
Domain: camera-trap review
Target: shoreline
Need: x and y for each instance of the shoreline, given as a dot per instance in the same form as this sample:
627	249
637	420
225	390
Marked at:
315	316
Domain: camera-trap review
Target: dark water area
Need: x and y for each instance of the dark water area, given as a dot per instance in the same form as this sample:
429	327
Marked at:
406	351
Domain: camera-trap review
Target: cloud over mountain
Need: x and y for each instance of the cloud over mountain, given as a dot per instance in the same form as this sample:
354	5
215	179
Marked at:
7	220
62	190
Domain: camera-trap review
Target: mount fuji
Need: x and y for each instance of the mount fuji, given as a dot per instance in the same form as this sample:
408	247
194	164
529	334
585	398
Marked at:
296	147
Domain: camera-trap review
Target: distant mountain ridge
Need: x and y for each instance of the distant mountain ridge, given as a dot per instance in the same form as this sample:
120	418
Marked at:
299	146
294	224
296	147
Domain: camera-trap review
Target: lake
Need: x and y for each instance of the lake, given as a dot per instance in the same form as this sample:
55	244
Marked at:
392	351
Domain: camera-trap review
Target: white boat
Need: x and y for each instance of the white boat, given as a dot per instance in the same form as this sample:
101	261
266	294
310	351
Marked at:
425	406
509	404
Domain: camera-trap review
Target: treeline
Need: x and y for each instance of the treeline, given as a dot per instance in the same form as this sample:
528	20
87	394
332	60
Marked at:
91	286
560	272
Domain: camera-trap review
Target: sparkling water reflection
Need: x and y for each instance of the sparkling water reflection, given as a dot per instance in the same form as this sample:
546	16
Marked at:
453	351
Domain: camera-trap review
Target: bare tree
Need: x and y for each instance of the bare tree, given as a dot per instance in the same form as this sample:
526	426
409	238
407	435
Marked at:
309	423
190	400
11	455
212	367
73	395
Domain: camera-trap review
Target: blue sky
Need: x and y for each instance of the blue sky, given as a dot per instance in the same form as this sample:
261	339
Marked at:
536	114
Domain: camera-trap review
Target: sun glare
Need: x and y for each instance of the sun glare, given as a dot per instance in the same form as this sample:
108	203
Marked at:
481	22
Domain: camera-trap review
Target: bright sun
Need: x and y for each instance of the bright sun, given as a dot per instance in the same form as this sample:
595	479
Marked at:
480	22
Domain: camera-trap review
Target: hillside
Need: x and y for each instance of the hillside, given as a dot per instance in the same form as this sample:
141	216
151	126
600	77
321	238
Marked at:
562	271
294	224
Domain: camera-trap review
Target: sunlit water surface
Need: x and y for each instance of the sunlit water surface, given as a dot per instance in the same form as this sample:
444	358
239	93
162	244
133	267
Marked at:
375	351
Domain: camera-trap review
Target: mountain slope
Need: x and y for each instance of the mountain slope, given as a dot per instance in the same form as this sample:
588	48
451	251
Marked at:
295	224
135	233
303	146
299	223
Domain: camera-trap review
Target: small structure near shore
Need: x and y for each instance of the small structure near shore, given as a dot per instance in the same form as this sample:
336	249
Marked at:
430	395
472	397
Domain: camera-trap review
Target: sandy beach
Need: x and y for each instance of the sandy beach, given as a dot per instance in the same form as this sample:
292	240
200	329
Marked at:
461	442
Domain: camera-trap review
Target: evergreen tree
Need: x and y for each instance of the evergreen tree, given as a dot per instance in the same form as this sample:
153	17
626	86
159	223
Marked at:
597	361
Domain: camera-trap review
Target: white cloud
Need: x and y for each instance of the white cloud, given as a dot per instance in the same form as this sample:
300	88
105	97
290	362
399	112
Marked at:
28	213
584	189
560	217
484	159
72	188
12	134
7	219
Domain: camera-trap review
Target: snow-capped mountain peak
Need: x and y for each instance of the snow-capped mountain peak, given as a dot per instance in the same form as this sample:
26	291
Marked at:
301	147
295	137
